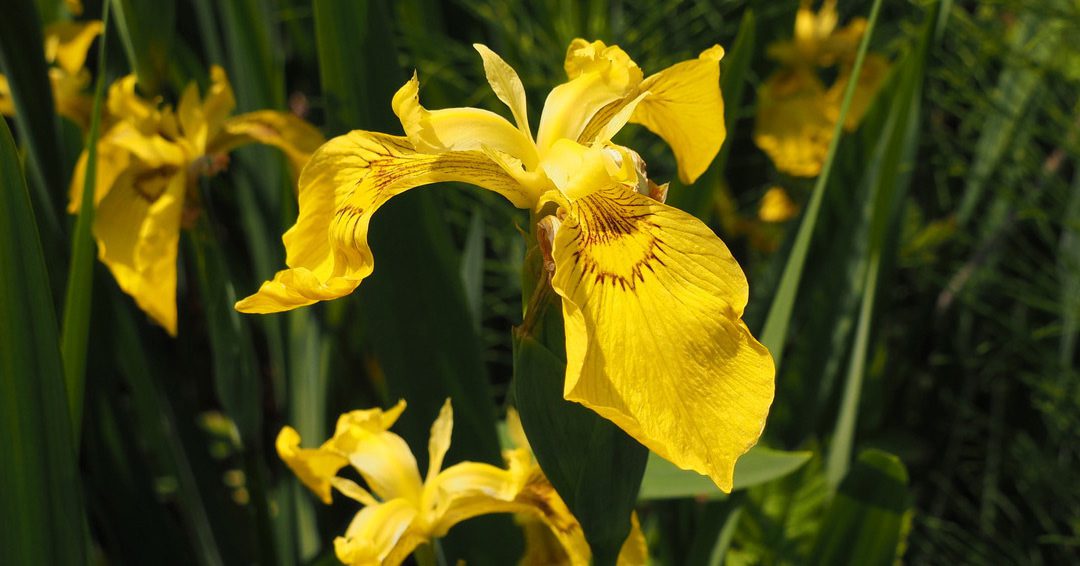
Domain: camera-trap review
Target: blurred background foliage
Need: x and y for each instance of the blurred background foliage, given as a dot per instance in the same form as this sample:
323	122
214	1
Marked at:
928	391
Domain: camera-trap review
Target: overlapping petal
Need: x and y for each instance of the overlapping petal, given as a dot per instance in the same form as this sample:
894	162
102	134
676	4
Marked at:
342	186
652	302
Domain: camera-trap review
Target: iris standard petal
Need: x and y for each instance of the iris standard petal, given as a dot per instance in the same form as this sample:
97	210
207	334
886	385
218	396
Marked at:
791	125
652	302
684	107
341	187
439	441
507	86
599	76
457	129
137	226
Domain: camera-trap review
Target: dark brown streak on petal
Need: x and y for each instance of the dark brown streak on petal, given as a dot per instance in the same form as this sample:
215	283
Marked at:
603	221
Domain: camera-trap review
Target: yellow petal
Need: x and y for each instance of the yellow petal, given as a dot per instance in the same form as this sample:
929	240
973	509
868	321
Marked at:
578	170
599	76
379	535
125	104
792	126
380	456
315	467
137	226
553	535
652	302
439	441
189	114
875	70
112	160
684	108
69	96
219	102
470	489
296	138
7	104
67	43
777	206
634	551
457	129
341	187
507	86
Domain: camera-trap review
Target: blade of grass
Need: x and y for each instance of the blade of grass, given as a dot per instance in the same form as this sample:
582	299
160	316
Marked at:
890	176
41	506
155	413
75	333
146	31
23	63
774	333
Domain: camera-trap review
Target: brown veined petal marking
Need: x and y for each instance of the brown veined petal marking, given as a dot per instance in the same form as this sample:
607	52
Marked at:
652	302
341	187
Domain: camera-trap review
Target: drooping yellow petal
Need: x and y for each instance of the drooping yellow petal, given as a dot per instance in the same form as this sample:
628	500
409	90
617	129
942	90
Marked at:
684	107
458	129
507	86
792	126
652	302
468	489
67	43
296	138
599	76
379	535
875	70
315	467
341	187
137	226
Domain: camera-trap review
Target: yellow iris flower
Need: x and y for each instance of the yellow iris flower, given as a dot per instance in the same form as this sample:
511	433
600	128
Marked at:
403	510
652	299
148	162
66	46
796	114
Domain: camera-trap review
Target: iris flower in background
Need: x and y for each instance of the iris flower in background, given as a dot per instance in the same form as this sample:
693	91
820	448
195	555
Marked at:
66	46
149	160
403	510
652	299
796	114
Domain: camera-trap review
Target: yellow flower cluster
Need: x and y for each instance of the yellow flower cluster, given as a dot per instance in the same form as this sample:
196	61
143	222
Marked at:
796	114
403	510
652	300
148	160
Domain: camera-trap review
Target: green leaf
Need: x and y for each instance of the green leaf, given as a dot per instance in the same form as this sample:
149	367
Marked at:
80	283
472	266
146	29
867	521
22	61
594	465
774	333
888	179
41	507
663	480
